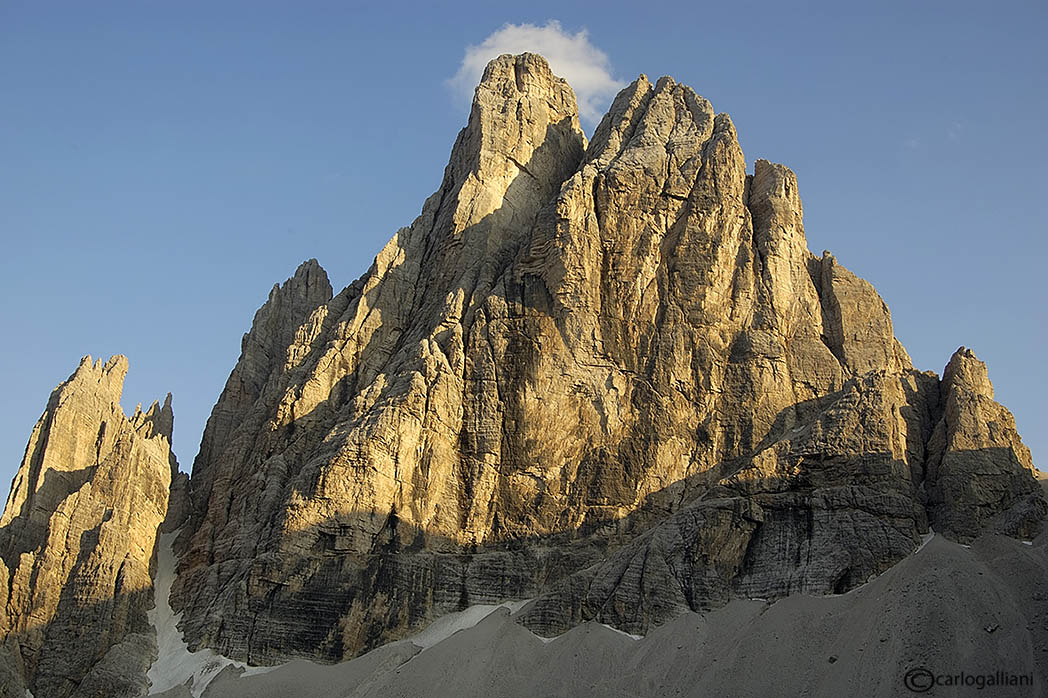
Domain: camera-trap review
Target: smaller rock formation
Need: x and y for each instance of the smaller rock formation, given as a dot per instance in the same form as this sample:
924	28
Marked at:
77	540
980	475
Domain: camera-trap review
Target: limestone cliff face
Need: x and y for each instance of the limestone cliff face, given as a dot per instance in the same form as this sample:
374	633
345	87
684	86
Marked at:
77	538
607	376
977	464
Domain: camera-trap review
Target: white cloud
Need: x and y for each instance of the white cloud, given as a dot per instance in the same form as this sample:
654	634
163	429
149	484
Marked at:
572	57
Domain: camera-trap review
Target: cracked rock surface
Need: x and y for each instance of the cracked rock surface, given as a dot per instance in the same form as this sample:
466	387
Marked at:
609	376
77	540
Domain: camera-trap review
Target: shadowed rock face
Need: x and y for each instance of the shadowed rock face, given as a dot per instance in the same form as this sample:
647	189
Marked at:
857	644
77	538
609	376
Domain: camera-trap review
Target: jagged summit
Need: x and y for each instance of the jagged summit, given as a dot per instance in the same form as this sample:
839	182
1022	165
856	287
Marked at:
606	377
77	538
978	466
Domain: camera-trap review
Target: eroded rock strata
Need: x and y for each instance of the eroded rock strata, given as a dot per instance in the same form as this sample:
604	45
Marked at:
608	376
77	540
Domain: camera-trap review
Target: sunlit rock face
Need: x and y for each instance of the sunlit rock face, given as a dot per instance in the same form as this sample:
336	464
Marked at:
607	376
77	538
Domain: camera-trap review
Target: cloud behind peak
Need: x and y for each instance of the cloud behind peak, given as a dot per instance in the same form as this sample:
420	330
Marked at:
571	56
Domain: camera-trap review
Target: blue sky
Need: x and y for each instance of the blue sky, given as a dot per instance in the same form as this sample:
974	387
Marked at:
162	165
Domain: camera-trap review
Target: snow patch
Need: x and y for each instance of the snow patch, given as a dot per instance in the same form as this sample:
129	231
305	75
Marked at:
924	540
631	636
175	664
447	625
622	632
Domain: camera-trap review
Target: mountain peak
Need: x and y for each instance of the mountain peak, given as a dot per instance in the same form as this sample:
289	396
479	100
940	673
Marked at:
524	122
527	71
966	371
78	533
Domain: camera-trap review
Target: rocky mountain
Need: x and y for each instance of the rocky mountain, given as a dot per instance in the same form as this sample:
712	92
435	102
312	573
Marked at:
606	377
77	540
